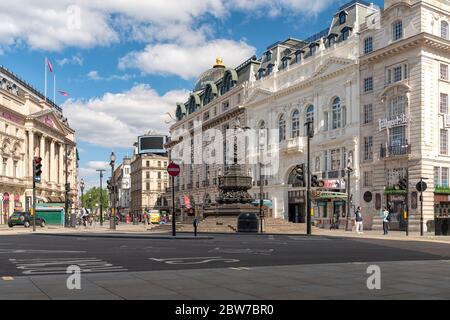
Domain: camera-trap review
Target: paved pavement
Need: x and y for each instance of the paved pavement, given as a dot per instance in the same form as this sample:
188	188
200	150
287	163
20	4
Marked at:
399	280
221	267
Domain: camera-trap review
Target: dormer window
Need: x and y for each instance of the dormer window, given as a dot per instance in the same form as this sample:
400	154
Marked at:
285	62
313	47
331	39
342	17
298	56
346	33
397	30
269	69
261	73
269	56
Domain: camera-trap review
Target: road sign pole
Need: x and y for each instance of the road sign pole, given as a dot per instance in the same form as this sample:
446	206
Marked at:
174	229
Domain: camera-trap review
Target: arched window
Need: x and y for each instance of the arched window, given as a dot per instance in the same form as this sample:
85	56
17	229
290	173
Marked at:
282	128
261	73
342	17
397	30
208	95
296	124
269	69
192	105
444	29
309	116
229	81
336	113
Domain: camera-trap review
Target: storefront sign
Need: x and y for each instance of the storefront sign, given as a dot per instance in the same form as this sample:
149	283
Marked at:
397	198
392	122
334	184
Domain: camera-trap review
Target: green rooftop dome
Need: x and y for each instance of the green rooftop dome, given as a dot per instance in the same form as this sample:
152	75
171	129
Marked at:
213	74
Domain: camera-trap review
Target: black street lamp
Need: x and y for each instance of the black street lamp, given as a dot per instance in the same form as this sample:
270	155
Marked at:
112	219
82	191
349	171
101	195
310	134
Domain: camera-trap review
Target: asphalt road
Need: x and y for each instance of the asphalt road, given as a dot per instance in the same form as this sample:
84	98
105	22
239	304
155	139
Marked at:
51	254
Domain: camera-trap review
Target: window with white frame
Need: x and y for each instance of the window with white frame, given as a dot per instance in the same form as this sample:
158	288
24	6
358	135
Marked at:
397	30
443	103
368	84
368	178
443	71
444	29
282	128
443	142
397	73
368	146
309	117
437	176
368	113
336	113
335	159
444	177
296	124
368	45
397	137
397	106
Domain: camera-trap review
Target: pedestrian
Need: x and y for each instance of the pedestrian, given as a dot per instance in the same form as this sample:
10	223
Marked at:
386	219
195	223
146	218
359	221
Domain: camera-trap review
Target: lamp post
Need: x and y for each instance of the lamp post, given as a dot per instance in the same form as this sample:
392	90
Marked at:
262	137
112	219
82	191
349	171
310	134
101	195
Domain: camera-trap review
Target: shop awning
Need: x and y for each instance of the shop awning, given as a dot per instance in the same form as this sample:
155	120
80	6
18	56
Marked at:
327	195
55	200
266	203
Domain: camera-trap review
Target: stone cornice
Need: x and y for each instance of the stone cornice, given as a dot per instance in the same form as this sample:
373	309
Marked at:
304	84
406	44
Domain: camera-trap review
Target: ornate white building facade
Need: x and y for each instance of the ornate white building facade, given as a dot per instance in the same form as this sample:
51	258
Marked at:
32	126
407	109
312	80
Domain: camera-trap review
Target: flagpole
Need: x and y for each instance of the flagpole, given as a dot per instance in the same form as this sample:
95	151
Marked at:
54	88
45	67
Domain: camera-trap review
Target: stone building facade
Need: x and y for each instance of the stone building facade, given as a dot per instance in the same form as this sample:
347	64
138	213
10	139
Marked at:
31	125
406	109
149	181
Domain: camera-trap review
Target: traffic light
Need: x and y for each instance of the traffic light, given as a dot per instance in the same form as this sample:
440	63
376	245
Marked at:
67	185
109	186
314	181
300	170
403	184
37	168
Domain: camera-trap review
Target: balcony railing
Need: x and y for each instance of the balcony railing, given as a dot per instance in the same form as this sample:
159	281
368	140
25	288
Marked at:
394	150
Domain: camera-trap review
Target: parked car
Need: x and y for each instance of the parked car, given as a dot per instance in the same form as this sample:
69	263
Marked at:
24	219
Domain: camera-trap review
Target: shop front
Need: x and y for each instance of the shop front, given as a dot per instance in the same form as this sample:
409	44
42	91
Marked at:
297	207
396	205
330	207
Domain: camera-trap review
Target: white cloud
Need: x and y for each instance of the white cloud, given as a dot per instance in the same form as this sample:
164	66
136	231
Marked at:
74	60
184	60
54	25
94	75
117	119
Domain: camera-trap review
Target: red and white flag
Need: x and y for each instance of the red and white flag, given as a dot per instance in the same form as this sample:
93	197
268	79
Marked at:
63	93
49	65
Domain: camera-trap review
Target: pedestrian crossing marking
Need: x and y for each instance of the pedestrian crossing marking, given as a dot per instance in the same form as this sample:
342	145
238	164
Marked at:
241	269
8	278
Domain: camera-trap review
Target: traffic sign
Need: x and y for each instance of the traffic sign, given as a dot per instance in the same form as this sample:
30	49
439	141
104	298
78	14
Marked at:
421	186
173	169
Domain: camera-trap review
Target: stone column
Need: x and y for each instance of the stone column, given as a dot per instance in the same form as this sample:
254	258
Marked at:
61	163
30	153
52	167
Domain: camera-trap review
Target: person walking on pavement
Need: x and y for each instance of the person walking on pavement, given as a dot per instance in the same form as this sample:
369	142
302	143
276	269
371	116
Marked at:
195	224
386	219
359	221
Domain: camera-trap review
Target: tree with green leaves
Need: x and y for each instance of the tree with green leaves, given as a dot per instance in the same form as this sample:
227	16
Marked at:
92	197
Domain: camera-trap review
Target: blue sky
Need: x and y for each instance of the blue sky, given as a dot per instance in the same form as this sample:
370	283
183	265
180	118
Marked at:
126	63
